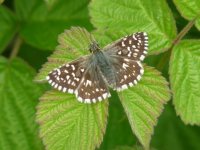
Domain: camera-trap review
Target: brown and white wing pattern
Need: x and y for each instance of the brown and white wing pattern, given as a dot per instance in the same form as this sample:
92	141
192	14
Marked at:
132	47
67	77
92	88
75	77
128	73
126	55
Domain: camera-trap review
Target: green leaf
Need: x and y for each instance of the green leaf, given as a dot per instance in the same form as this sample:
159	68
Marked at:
41	24
189	10
19	95
144	103
185	80
7	27
66	123
50	3
117	18
69	48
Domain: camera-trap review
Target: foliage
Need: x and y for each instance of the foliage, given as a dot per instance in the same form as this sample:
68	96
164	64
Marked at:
185	80
28	34
18	104
70	123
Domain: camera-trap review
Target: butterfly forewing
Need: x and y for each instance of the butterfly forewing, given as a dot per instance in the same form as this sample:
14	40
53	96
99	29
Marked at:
77	77
132	47
67	77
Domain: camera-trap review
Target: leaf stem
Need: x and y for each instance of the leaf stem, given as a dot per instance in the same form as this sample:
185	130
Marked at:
183	32
16	47
167	54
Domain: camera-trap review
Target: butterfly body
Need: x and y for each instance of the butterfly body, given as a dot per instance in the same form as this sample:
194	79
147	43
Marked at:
118	66
105	68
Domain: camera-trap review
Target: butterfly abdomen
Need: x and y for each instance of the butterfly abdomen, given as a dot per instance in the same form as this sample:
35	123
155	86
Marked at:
106	68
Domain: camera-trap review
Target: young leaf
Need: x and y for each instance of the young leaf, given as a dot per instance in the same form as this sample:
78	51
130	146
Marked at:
7	27
43	24
144	103
67	124
69	48
19	95
189	10
117	18
185	80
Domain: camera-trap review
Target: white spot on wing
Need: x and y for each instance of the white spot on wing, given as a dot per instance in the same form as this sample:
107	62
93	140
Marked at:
88	82
70	91
124	86
87	101
59	88
139	77
142	57
73	67
64	89
124	65
80	99
94	100
123	45
47	77
130	84
105	95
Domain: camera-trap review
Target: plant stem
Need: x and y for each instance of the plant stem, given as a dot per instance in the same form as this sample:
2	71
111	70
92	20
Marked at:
16	47
183	32
167	54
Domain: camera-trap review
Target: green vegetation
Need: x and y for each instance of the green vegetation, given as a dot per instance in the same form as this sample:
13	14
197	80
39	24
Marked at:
161	113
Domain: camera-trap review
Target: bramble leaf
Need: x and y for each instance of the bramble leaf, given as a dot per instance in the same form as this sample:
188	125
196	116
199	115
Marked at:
41	24
185	80
7	27
144	103
115	19
69	48
189	10
68	124
18	129
50	3
153	84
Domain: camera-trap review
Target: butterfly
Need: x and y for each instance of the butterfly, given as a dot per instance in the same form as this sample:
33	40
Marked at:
117	66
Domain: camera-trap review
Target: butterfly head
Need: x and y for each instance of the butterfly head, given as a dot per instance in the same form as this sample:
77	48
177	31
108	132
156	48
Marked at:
94	47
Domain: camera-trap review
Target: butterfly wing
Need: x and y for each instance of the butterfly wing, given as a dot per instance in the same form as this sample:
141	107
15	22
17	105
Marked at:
128	73
79	77
67	77
132	47
92	88
125	56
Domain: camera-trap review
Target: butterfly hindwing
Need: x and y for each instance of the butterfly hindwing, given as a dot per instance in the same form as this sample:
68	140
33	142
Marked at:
92	88
132	47
128	73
